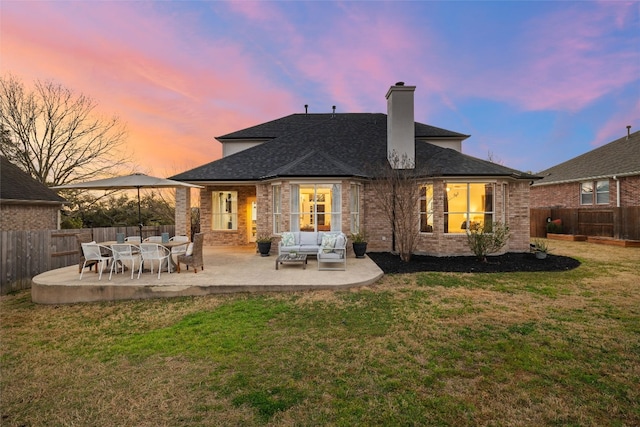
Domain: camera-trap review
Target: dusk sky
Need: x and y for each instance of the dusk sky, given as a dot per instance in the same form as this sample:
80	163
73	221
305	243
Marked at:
533	82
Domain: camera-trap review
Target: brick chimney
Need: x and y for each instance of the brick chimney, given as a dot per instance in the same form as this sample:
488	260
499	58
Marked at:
401	142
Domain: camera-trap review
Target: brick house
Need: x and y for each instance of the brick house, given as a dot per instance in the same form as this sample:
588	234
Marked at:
26	204
608	176
317	172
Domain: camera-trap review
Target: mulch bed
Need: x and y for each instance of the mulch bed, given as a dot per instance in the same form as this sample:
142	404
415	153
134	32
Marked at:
510	262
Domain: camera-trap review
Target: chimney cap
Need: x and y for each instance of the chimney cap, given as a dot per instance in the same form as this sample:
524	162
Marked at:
399	84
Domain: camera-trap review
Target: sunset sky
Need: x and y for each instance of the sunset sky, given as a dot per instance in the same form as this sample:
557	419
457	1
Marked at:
533	82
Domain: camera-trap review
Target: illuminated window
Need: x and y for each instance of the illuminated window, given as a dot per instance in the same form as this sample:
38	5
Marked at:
426	209
467	204
315	207
224	208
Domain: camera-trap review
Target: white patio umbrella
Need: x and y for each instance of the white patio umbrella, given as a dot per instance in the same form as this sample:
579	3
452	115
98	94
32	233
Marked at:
134	181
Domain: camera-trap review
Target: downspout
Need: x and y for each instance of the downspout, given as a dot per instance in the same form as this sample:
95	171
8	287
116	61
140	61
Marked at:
617	180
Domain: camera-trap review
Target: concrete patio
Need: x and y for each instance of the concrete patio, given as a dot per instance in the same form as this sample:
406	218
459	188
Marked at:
226	270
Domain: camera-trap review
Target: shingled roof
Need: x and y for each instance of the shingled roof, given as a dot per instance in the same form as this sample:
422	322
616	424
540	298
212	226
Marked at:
620	158
18	186
340	145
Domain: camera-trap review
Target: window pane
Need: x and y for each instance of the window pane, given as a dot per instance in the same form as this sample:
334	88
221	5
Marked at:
586	193
224	210
602	192
316	207
426	209
466	205
355	208
277	209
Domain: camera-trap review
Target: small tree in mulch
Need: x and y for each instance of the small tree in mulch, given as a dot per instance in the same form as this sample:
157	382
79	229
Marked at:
488	238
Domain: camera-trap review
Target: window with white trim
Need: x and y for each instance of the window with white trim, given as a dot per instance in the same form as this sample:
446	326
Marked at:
467	204
602	192
316	207
355	208
426	208
586	193
277	209
224	210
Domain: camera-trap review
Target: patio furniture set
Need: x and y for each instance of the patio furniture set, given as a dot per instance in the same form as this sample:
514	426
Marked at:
171	253
330	248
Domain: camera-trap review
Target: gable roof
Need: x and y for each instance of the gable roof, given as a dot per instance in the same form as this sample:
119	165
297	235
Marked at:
340	145
18	186
620	157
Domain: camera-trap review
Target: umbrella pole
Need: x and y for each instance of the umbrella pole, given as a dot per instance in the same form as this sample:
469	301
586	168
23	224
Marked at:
139	215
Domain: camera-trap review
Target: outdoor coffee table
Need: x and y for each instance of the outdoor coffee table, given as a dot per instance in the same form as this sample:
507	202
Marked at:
292	259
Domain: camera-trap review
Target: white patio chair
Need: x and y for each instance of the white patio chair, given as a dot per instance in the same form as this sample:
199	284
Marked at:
151	252
133	239
124	252
153	239
93	252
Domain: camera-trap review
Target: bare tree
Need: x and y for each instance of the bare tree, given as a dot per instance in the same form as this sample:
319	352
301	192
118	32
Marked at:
399	195
55	135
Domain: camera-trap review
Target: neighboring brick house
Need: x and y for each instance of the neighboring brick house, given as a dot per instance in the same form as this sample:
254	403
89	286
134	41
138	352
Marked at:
608	176
26	204
317	172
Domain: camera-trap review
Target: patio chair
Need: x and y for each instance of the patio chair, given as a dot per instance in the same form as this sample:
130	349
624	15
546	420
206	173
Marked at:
193	256
133	239
151	252
94	252
84	238
333	250
124	252
153	239
179	250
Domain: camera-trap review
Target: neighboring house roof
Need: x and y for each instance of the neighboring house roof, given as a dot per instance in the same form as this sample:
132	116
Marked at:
17	186
340	145
620	158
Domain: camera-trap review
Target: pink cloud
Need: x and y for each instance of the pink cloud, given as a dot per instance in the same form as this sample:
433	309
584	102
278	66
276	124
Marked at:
177	92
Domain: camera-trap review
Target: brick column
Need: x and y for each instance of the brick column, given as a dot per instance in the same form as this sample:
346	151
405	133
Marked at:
183	211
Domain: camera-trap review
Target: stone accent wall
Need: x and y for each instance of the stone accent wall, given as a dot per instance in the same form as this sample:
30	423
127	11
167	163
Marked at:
28	217
567	195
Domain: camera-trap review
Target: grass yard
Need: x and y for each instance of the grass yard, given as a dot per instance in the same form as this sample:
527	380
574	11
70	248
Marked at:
508	349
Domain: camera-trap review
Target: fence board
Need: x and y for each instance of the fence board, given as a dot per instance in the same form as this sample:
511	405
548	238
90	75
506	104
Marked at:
24	254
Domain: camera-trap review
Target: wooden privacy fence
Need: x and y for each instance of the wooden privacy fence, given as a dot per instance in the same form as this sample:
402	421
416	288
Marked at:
619	223
25	254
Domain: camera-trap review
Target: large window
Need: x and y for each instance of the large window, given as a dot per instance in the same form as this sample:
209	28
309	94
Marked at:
277	209
355	208
426	208
467	204
315	207
224	210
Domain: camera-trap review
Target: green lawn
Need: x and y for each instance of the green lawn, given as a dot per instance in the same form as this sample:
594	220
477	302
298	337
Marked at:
529	349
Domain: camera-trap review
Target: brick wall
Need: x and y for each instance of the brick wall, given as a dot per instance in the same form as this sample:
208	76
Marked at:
516	215
28	217
567	195
183	211
372	217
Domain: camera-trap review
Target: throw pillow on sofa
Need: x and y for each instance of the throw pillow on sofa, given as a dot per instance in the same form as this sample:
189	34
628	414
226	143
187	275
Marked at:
288	239
328	243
